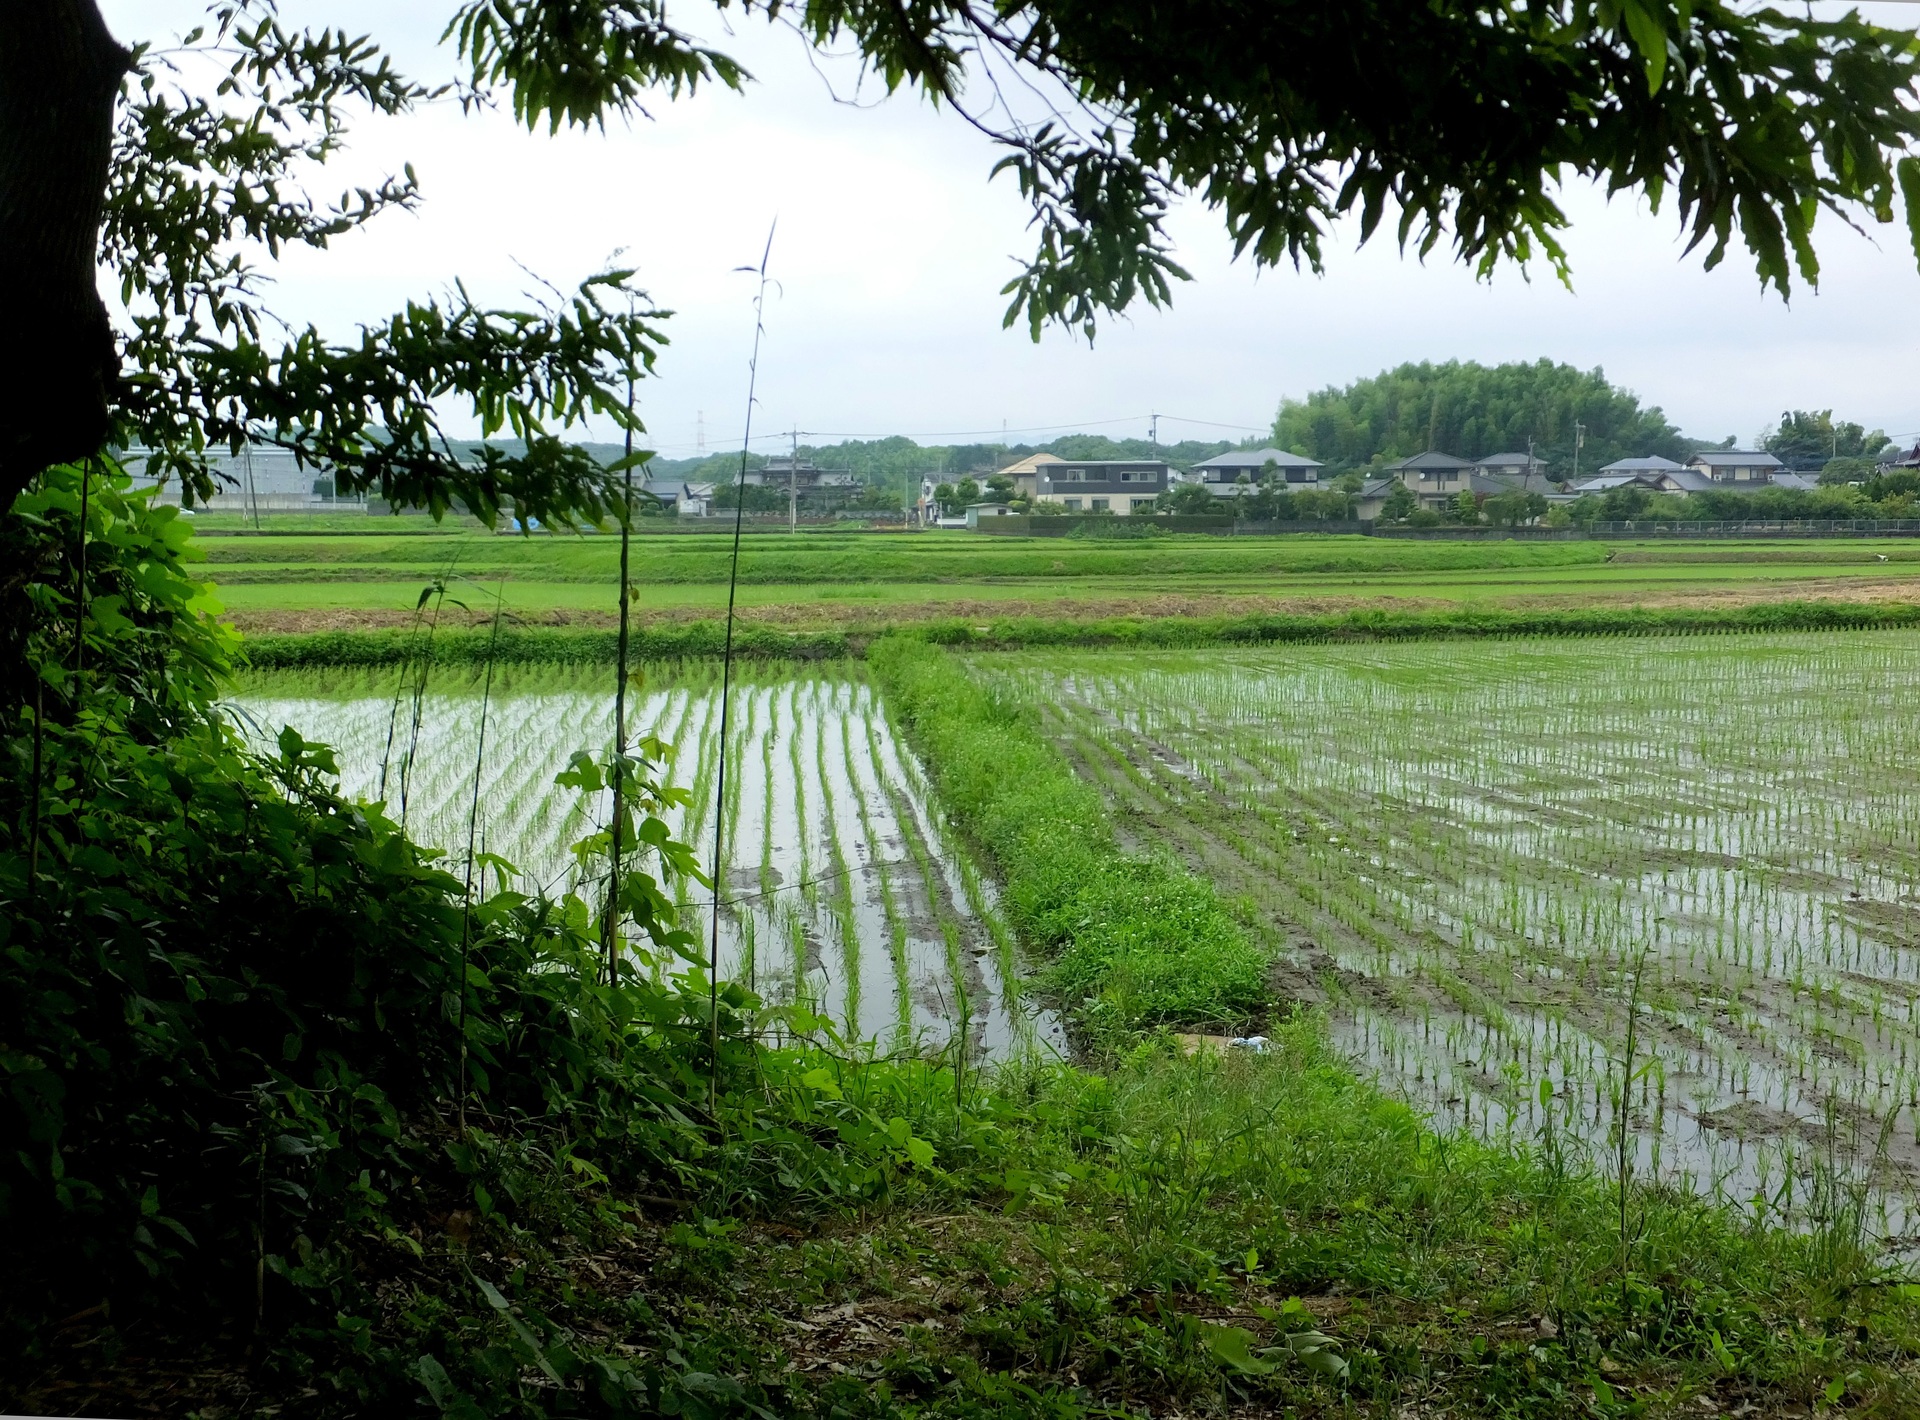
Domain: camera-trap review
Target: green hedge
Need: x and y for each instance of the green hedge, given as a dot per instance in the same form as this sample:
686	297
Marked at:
1131	941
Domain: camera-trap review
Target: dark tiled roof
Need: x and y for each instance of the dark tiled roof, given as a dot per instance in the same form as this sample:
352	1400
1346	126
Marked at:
1253	460
1650	464
1431	459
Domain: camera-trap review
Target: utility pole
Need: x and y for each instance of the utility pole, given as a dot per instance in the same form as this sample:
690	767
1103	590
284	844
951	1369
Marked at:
1579	438
1153	434
700	433
793	484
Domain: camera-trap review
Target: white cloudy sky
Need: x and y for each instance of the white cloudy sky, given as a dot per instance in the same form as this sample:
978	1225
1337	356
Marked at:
892	245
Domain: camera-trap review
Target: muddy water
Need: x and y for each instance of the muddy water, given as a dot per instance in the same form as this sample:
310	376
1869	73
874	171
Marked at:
842	889
1480	858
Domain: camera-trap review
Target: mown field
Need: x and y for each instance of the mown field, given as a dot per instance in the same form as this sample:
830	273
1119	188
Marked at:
1482	858
292	581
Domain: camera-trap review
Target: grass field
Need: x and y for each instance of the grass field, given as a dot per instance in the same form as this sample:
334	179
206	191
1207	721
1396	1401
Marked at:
309	581
1465	852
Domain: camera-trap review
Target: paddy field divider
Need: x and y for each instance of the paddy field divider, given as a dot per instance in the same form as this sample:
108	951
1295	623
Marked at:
1128	939
537	645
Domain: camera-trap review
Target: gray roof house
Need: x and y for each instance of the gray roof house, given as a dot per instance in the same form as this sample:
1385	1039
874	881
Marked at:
1736	465
1222	472
1653	463
1653	480
688	500
1372	497
1517	465
1436	479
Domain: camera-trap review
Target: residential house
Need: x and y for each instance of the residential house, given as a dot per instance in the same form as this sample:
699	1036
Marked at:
1653	480
1653	464
1435	479
1223	472
801	474
1663	476
1748	466
1372	497
261	477
1121	486
815	489
1026	473
1521	472
1653	473
686	500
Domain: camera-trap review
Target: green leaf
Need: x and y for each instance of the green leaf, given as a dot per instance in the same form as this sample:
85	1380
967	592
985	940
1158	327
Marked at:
1908	171
439	1385
1233	1346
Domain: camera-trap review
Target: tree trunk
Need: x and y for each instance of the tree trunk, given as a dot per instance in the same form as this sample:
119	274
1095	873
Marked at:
60	73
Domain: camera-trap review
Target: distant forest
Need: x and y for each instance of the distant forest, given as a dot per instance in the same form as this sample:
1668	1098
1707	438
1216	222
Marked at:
1456	407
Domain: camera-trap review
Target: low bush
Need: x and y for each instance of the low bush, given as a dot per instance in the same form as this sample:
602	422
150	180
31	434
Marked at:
1130	940
255	1044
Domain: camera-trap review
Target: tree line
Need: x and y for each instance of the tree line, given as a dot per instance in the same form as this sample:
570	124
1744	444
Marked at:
1456	407
1575	421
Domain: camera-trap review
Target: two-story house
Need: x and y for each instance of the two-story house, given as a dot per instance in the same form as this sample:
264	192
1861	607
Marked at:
1026	473
1121	486
1223	472
1435	479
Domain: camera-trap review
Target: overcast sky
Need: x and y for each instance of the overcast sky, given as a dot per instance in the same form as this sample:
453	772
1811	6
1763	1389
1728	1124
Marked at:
892	245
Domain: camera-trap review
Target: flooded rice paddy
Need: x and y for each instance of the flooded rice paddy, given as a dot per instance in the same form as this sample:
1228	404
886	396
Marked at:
1468	852
843	886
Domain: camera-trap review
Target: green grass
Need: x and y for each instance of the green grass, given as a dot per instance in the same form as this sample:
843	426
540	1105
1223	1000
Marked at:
824	580
1129	939
520	645
855	557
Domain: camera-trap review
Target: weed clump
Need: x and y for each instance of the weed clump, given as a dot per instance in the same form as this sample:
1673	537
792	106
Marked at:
1131	940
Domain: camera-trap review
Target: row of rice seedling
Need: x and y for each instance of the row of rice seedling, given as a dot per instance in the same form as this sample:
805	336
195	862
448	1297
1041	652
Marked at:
838	887
1482	858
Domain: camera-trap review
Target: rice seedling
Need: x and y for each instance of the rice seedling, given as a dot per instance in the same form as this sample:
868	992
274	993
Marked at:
829	843
1463	848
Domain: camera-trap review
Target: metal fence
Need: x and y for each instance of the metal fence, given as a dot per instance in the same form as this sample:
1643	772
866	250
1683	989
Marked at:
1763	527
